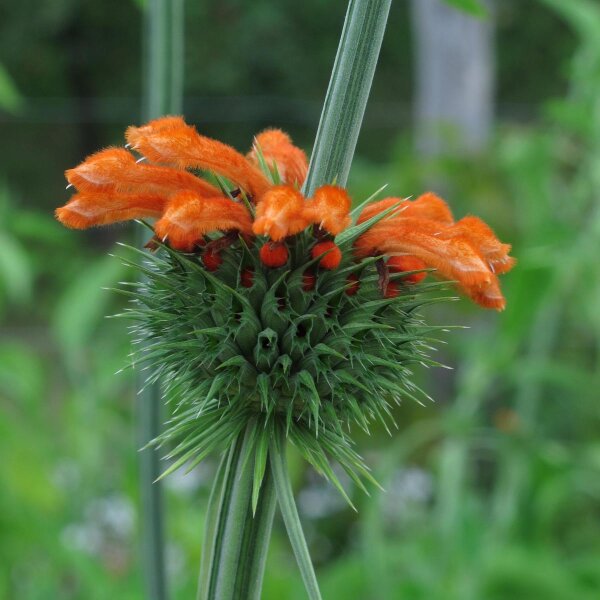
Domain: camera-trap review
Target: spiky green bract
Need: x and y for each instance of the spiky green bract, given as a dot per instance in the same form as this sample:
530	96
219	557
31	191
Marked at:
317	361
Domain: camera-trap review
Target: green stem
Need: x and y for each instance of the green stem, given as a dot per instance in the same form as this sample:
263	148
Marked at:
285	498
347	93
163	94
236	542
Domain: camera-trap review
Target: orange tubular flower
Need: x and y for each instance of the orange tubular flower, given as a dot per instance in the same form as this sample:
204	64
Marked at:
329	208
280	213
89	209
179	145
426	206
116	169
188	217
467	251
277	149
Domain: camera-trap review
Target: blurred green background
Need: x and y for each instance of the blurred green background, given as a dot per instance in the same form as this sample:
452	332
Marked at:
493	491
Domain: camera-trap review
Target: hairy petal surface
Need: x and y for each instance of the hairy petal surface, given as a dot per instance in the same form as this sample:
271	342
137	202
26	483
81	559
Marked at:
115	169
188	217
427	206
180	145
88	209
280	213
329	208
277	148
453	256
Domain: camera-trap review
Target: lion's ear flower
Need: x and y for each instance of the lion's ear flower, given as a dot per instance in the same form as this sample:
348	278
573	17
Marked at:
279	213
115	169
467	252
329	208
179	145
89	209
277	149
188	217
427	206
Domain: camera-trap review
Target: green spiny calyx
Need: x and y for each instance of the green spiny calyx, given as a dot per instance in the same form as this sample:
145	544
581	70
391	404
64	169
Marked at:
308	349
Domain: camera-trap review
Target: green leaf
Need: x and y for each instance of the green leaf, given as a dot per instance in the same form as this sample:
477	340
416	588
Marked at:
473	7
10	97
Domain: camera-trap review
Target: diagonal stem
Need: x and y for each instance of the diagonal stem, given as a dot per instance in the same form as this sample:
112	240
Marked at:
347	93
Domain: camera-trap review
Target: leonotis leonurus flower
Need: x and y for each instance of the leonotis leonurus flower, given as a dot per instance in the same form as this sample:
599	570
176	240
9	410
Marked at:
260	303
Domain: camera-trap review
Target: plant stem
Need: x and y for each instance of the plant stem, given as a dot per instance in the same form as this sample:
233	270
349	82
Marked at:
163	94
236	542
347	93
285	498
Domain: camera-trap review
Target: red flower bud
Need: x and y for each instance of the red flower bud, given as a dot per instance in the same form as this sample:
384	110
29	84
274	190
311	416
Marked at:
247	278
212	260
392	290
355	284
274	254
332	259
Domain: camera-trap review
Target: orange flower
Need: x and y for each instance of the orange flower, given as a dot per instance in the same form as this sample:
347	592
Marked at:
329	208
400	264
179	145
88	209
467	252
426	206
188	217
113	186
280	213
115	169
277	149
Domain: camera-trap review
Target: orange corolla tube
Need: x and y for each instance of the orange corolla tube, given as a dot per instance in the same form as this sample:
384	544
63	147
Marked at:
115	169
280	213
188	217
427	206
329	208
88	209
179	145
277	148
482	237
455	257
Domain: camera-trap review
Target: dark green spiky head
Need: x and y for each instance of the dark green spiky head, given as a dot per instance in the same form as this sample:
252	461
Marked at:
311	349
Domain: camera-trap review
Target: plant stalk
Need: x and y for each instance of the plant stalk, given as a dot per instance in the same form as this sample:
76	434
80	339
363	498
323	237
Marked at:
236	541
347	93
164	22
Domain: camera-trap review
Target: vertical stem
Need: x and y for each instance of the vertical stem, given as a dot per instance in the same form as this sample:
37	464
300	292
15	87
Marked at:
163	94
236	541
347	93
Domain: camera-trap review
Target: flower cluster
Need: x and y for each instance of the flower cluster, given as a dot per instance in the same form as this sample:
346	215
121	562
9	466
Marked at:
260	303
266	201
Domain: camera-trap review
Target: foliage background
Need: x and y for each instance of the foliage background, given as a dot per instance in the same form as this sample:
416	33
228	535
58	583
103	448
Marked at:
492	492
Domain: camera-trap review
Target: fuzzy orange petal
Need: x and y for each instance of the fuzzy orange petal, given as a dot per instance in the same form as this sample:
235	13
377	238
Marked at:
188	217
329	208
180	146
427	206
454	258
280	213
484	239
88	209
277	147
115	169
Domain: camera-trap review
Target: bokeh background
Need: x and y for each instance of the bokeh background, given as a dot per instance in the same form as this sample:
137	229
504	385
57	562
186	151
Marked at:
493	490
